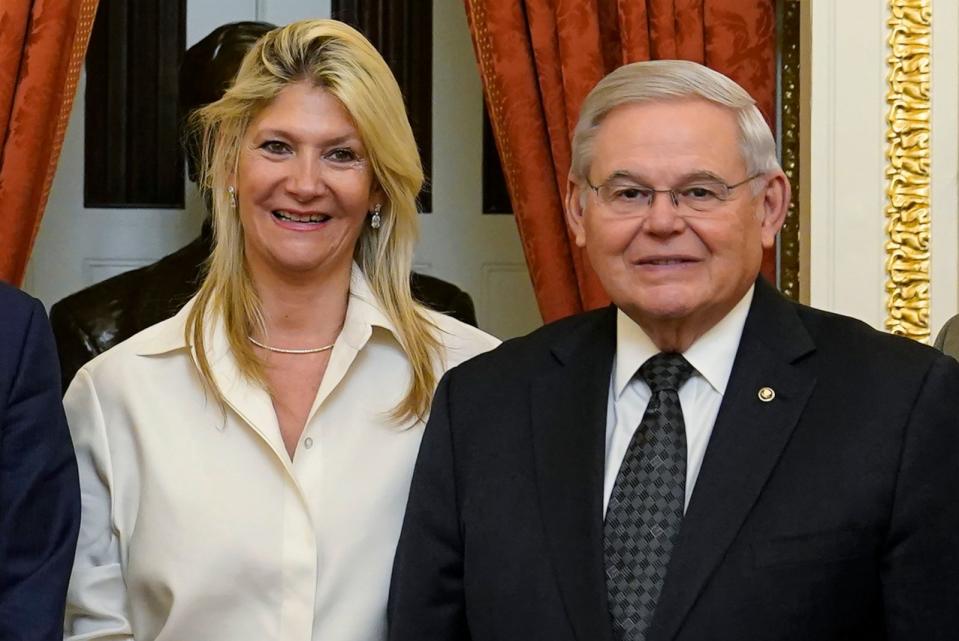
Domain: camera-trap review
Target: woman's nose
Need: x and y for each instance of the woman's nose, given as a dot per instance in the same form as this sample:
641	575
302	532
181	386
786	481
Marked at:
306	178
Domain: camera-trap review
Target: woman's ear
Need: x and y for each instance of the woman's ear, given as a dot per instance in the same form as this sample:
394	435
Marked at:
377	195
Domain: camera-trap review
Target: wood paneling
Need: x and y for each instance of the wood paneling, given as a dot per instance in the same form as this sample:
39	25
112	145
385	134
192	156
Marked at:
495	194
132	152
401	30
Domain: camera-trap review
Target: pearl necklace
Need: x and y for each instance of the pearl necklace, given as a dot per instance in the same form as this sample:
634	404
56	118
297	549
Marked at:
283	350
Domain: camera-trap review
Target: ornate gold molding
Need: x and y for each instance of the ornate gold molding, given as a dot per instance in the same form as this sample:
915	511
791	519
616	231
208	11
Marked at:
789	50
907	169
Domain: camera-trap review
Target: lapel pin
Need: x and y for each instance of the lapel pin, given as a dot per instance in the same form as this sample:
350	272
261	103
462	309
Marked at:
766	394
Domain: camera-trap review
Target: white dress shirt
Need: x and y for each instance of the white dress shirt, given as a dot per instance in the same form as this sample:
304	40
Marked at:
196	523
712	356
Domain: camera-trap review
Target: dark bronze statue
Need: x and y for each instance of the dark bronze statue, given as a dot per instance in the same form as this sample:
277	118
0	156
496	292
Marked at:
95	319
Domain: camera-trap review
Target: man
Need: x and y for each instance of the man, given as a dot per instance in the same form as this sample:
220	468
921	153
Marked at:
704	461
39	492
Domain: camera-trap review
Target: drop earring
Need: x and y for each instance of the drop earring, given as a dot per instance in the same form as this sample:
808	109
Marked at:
232	191
375	220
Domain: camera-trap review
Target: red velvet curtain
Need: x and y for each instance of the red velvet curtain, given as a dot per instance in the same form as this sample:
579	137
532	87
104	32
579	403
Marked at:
538	60
42	45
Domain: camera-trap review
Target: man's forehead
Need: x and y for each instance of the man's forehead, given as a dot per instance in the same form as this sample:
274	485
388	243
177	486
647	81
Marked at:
681	137
693	116
675	105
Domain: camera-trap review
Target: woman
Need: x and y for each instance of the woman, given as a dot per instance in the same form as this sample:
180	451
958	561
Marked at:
244	465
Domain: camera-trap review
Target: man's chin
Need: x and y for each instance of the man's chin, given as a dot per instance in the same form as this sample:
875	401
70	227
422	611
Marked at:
661	312
667	302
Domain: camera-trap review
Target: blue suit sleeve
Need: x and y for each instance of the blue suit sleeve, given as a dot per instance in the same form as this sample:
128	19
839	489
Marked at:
39	490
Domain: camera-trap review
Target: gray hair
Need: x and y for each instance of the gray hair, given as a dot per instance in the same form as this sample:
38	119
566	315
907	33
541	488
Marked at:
657	80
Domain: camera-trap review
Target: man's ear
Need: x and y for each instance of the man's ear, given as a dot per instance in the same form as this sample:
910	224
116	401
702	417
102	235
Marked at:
775	206
574	211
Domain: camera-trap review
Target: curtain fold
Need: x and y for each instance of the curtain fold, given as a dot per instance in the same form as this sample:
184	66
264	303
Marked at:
539	58
42	46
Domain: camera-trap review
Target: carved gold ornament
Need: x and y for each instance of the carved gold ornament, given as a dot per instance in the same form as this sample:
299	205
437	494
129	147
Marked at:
789	48
907	169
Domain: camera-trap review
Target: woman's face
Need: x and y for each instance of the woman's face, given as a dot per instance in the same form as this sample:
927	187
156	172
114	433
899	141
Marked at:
304	186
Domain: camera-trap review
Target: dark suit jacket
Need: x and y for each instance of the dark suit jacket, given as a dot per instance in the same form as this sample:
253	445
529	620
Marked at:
95	319
39	492
830	513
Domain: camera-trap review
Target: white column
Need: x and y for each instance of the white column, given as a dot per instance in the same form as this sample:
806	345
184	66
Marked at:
843	235
844	109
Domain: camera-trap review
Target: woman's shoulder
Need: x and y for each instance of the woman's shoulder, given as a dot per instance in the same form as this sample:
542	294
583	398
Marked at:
134	356
459	341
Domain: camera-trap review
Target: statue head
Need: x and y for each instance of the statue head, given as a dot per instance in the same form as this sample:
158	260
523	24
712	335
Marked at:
207	71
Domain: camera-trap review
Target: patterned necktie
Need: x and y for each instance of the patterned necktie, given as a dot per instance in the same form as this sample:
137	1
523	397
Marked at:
646	506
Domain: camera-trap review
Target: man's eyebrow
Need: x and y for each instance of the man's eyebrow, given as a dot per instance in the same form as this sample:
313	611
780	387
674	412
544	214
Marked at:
622	173
701	175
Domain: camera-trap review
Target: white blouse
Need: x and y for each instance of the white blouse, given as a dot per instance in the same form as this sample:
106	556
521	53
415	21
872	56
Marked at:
197	526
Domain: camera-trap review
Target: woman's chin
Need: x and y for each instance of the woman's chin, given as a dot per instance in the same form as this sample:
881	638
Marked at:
310	265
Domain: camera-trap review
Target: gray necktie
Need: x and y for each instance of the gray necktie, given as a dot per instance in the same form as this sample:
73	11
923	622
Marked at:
646	506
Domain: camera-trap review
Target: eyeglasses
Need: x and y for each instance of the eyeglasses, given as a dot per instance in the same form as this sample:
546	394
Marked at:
628	198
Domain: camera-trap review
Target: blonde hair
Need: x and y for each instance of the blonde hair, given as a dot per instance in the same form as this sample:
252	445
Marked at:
655	80
331	55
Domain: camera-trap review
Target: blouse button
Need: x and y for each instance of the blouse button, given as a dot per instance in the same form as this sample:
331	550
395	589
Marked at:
307	442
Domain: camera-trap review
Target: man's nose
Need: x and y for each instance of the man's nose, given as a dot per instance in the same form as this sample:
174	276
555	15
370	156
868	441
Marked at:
663	216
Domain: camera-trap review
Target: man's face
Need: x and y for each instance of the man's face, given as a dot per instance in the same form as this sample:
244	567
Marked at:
665	264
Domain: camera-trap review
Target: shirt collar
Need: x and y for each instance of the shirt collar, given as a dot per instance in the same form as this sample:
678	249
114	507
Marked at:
363	312
712	354
165	336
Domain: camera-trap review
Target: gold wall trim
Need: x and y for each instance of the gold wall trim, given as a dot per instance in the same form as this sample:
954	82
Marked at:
789	90
907	168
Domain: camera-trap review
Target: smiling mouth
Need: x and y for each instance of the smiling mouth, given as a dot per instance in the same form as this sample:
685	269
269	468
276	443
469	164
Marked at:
666	261
281	214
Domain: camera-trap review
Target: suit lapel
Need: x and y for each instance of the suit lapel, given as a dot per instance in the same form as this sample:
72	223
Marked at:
747	440
568	407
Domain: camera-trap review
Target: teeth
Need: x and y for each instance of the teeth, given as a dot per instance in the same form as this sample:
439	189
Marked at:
312	218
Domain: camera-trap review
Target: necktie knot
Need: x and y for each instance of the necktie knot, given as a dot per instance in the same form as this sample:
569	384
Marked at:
666	371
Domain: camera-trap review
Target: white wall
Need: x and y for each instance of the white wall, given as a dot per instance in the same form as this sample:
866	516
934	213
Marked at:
844	233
